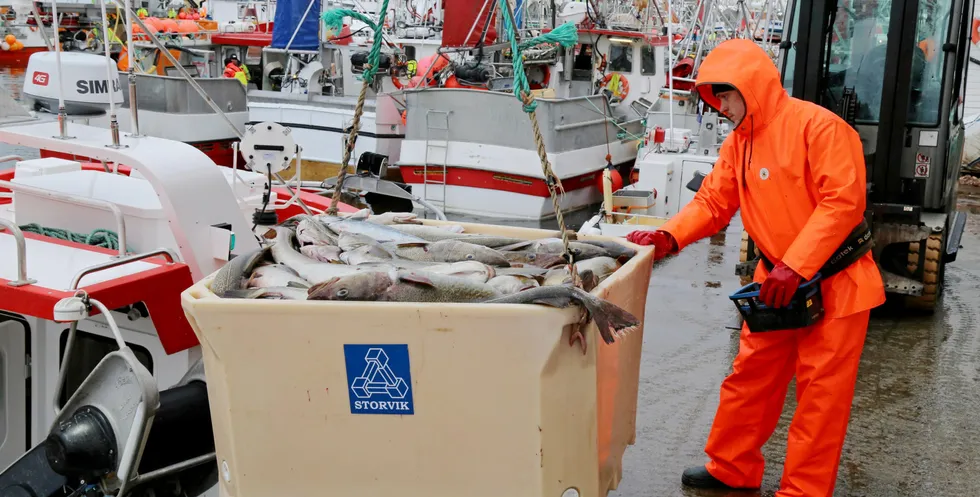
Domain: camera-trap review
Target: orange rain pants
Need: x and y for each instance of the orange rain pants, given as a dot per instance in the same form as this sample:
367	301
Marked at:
796	171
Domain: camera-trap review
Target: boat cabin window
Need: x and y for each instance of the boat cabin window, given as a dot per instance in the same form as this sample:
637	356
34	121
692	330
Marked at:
86	353
621	56
648	60
582	65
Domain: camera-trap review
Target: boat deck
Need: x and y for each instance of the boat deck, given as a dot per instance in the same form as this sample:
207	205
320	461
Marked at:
53	264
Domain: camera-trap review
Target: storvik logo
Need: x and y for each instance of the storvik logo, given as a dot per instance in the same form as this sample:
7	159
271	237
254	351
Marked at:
379	379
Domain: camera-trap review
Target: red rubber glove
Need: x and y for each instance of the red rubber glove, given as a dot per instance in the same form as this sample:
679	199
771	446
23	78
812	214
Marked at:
780	286
662	242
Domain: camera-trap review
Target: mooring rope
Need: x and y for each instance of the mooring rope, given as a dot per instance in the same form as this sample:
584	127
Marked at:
334	20
567	36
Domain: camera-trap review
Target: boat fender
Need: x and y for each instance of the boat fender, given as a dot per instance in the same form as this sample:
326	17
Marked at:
360	59
472	74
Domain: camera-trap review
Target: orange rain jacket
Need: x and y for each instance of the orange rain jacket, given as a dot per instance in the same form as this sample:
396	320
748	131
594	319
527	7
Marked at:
797	172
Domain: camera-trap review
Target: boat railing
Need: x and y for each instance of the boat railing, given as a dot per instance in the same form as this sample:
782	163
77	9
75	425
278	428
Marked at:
172	257
77	200
21	253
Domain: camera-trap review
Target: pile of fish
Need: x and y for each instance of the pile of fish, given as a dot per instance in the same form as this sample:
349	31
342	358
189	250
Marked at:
394	257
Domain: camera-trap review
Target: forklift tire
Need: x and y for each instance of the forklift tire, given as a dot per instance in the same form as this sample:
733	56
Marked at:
932	273
743	255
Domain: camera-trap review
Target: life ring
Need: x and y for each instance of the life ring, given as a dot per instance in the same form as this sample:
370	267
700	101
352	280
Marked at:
620	86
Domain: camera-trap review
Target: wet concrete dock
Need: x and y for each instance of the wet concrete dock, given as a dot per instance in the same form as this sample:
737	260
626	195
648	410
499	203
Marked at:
915	422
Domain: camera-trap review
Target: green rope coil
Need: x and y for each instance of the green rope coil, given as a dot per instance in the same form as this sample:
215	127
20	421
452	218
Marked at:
334	20
97	238
566	35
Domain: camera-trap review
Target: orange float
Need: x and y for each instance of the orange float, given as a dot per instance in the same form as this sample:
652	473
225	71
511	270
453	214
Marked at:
10	39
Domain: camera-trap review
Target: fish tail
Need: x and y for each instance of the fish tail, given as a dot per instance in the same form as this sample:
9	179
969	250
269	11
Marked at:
609	318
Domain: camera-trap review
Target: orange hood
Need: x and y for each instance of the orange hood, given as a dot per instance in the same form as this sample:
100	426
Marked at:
745	66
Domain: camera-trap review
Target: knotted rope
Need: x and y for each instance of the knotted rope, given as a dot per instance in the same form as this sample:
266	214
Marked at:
334	20
567	36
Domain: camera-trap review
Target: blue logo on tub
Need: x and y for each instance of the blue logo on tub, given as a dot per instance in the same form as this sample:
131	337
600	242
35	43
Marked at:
379	379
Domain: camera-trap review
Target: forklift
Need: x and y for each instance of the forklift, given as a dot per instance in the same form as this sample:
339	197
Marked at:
895	70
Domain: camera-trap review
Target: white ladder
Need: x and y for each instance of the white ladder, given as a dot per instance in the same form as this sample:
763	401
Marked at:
436	154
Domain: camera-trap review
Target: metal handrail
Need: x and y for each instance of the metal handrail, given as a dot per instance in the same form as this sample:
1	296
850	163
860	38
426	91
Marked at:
22	278
171	256
72	199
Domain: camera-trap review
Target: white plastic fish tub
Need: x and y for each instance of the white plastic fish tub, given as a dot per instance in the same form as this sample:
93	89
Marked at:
497	402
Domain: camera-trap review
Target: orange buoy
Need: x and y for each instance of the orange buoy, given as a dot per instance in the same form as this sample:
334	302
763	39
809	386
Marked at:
185	26
617	180
168	25
17	45
10	39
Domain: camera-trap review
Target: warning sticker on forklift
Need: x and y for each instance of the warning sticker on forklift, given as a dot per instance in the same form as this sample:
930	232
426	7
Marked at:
379	379
922	162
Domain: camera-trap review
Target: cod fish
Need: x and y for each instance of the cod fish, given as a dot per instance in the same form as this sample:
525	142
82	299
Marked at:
512	283
527	258
366	254
448	251
601	267
402	285
311	231
579	250
234	274
276	275
609	318
309	269
619	252
275	292
563	276
380	232
394	218
472	270
323	253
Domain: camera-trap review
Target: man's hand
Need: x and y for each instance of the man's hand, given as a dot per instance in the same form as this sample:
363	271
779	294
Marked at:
662	242
778	289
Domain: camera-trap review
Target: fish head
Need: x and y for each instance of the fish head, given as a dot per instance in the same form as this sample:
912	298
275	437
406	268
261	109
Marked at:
538	259
367	285
294	221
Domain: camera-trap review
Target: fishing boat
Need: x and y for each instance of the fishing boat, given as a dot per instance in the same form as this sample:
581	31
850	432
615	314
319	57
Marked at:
592	100
310	78
159	68
95	256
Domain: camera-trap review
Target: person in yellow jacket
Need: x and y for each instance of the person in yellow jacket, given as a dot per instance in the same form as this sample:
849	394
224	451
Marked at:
234	70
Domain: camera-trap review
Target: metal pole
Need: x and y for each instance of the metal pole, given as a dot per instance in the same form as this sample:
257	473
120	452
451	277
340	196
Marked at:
113	124
62	115
670	73
133	108
300	25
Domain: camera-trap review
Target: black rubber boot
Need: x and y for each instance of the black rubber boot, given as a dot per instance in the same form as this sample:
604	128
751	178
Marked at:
699	477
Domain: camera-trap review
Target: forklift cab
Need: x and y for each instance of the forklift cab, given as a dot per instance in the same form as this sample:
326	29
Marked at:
896	71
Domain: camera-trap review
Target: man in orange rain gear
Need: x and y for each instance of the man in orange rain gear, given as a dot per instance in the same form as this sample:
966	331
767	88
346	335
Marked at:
797	172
